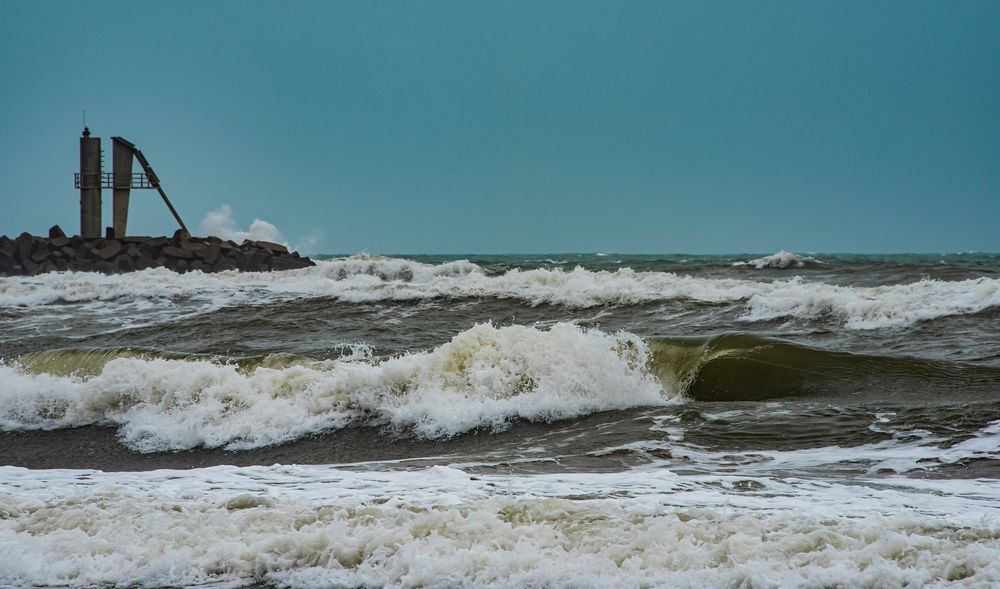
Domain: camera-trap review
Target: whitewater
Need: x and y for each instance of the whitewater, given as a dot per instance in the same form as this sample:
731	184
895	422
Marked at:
556	420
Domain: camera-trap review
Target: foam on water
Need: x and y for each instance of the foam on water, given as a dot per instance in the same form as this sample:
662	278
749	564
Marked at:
908	451
780	260
440	527
162	295
484	377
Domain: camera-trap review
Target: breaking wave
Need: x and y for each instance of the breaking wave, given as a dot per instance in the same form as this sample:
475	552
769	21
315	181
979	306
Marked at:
741	367
781	260
484	377
362	279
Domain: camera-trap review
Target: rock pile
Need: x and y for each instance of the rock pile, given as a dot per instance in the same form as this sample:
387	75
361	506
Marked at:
28	255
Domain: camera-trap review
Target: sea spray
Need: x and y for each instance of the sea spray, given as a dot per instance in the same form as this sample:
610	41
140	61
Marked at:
484	377
781	260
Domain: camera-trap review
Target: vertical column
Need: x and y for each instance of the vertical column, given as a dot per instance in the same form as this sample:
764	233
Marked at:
121	163
90	185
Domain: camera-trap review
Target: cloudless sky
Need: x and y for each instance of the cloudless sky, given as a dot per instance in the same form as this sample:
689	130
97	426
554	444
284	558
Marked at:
504	127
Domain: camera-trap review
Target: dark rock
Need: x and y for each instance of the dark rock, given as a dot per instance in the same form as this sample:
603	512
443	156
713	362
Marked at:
111	249
283	263
194	247
181	234
211	253
25	246
148	241
144	263
176	252
243	262
7	263
223	264
32	255
124	264
273	247
260	262
40	255
104	267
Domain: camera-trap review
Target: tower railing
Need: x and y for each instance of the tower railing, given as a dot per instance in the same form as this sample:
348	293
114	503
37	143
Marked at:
138	180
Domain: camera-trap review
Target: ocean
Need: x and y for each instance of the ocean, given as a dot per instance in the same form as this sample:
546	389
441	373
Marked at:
562	420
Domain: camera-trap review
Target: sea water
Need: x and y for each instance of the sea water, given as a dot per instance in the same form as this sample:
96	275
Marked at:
575	420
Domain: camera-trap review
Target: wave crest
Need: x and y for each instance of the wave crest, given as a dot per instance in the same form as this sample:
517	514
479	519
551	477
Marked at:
362	279
781	260
484	377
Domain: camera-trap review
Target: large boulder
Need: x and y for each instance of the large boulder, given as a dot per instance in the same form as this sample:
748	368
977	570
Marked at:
25	246
7	263
176	252
289	263
273	247
110	249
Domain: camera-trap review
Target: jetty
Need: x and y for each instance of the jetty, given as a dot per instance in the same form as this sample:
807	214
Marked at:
115	251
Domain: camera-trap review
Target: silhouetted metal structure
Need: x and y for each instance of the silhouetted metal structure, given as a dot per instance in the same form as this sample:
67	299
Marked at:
91	179
121	166
89	183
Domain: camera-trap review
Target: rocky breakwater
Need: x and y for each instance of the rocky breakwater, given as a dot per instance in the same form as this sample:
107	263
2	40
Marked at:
28	255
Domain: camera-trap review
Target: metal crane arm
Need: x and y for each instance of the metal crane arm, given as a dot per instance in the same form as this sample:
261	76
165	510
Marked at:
154	180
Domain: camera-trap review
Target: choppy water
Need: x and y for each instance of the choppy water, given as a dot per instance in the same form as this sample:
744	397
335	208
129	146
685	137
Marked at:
506	421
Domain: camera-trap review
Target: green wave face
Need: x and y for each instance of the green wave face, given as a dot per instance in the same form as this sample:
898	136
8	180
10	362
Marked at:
731	367
741	367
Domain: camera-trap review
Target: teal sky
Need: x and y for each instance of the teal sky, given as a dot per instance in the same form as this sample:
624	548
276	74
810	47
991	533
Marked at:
451	127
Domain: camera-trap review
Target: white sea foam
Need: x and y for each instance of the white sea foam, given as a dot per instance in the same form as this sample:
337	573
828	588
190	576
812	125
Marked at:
159	294
483	377
313	527
873	307
908	451
780	260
